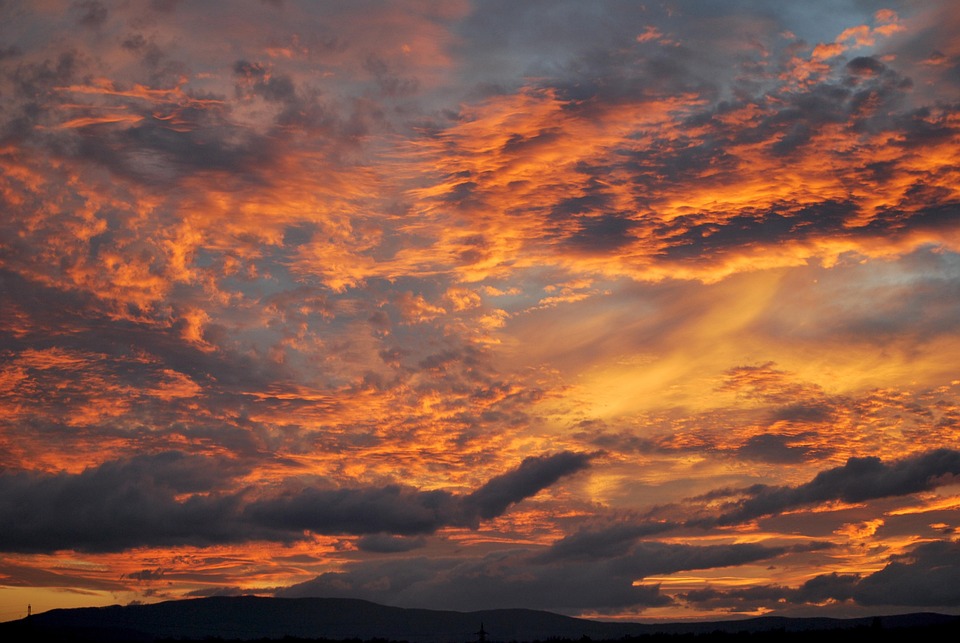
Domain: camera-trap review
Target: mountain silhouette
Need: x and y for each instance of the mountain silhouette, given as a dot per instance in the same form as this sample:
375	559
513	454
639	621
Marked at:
248	618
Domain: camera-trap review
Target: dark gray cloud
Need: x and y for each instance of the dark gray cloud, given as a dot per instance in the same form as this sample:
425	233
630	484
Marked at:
146	575
858	480
152	152
603	542
772	447
533	474
389	544
649	558
393	508
501	580
138	502
832	586
601	234
923	578
622	441
522	578
258	80
865	66
778	224
217	591
120	505
804	412
739	599
91	13
30	576
402	510
818	590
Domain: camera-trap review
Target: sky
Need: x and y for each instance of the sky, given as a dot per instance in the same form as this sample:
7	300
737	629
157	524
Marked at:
622	310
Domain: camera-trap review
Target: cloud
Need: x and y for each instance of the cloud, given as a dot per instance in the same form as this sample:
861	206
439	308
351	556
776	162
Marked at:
818	590
401	510
500	580
674	212
604	542
17	575
401	245
771	447
146	575
924	577
858	480
389	544
177	499
120	505
533	474
920	578
866	66
520	578
393	508
92	13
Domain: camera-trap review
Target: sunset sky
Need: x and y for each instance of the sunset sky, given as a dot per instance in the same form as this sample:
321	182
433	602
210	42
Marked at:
639	310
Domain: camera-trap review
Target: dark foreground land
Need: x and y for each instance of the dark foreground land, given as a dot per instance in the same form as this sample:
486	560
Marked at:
259	620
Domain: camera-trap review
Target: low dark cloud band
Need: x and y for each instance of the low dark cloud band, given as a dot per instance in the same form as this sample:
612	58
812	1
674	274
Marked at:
137	502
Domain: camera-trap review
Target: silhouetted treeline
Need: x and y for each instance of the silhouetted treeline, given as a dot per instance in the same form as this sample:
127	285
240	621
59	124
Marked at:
875	632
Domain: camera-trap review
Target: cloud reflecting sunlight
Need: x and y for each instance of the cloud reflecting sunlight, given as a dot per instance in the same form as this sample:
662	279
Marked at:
621	310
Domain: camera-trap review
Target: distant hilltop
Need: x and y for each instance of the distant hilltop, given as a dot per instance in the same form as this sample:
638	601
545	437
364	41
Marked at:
247	618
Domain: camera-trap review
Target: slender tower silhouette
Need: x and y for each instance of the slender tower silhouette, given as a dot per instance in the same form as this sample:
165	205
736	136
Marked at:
482	634
29	609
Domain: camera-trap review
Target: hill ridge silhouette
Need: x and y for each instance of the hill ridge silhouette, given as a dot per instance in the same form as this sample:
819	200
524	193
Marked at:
247	618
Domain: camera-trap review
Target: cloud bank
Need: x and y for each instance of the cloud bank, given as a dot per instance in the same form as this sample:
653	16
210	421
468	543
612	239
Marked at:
137	503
